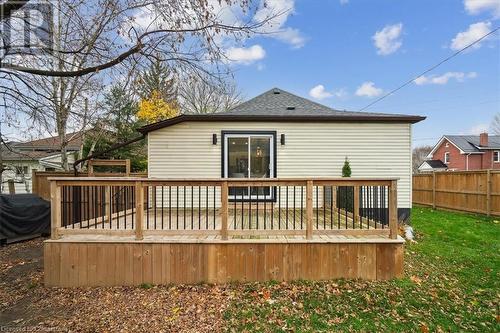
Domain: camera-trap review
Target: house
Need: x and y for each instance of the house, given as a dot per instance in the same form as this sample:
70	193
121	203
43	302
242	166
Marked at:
20	159
432	165
280	135
252	194
464	152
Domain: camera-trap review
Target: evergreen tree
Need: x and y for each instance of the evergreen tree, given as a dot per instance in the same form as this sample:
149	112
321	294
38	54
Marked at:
157	79
119	124
346	169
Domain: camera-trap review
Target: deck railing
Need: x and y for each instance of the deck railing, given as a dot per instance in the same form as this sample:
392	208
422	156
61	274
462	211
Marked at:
224	207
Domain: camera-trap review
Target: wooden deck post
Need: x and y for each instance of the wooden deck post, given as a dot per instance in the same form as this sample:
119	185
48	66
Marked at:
139	210
393	210
355	216
309	209
224	209
488	192
55	210
433	189
12	186
127	167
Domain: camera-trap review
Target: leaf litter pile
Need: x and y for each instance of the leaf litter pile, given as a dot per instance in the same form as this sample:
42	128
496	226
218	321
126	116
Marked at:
450	284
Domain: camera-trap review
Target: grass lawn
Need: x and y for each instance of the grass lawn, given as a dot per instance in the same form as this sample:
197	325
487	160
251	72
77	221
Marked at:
451	283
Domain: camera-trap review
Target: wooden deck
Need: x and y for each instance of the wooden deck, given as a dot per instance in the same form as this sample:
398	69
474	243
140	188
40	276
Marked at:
140	243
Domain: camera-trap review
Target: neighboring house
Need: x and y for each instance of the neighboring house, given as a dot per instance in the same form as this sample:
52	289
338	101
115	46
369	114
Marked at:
281	135
432	165
20	159
465	152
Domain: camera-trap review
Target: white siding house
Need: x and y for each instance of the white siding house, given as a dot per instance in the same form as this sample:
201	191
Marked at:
296	137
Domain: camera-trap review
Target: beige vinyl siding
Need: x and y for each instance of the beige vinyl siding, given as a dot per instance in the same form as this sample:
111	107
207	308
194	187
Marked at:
185	150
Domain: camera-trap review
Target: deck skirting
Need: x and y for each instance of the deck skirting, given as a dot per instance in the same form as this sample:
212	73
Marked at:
80	263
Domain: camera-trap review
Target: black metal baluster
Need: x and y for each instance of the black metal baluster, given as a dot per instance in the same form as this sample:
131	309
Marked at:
215	193
103	204
242	210
331	207
294	207
279	207
250	208
162	205
94	208
133	205
192	212
265	207
206	206
257	203
317	207
353	212
169	207
199	206
337	204
324	209
301	205
286	205
177	206
184	205
345	205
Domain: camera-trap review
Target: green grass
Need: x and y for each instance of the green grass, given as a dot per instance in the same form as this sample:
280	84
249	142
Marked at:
451	283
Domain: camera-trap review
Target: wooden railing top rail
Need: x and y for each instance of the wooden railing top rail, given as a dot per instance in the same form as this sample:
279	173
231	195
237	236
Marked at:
230	181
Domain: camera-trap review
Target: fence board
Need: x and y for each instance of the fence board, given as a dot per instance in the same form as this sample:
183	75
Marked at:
468	191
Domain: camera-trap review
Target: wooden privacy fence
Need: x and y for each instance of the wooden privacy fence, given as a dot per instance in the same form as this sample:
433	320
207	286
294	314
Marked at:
225	207
469	191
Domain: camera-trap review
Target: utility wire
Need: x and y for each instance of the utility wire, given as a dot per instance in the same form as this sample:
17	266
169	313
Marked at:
430	69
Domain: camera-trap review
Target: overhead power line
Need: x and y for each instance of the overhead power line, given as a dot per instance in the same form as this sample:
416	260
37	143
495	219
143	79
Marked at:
430	69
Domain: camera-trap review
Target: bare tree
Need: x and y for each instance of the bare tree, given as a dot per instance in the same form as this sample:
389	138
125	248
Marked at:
114	37
199	95
495	125
419	155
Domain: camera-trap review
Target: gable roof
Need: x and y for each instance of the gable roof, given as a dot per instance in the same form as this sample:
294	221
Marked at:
279	105
468	144
52	143
435	164
12	154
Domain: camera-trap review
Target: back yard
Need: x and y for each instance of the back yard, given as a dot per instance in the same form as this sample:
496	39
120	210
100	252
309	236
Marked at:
451	283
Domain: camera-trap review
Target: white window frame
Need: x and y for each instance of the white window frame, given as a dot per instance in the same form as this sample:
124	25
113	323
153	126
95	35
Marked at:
497	160
271	162
447	157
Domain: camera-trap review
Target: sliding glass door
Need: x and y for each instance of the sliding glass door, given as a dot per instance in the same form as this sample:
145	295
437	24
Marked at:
249	156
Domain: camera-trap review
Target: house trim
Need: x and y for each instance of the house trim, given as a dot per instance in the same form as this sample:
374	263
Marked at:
270	118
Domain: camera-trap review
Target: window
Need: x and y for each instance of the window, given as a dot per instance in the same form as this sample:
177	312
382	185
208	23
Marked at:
446	158
50	169
249	155
21	170
496	156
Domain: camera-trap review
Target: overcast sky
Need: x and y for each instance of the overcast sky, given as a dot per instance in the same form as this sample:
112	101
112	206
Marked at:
346	53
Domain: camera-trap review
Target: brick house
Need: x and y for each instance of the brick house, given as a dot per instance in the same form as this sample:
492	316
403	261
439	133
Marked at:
464	152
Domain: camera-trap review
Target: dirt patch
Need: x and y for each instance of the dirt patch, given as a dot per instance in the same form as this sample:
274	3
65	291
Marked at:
26	304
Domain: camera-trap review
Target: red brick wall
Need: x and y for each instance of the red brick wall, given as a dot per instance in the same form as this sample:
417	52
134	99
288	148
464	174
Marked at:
459	161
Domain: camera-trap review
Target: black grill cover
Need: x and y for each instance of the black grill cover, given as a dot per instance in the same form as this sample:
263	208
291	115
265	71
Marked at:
23	215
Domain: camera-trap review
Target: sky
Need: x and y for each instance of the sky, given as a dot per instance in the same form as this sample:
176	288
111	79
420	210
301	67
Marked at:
347	53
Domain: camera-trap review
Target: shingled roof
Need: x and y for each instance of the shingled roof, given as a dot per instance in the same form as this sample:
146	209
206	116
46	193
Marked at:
470	143
279	105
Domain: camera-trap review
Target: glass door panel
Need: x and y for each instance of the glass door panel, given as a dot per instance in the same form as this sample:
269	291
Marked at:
237	162
260	162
